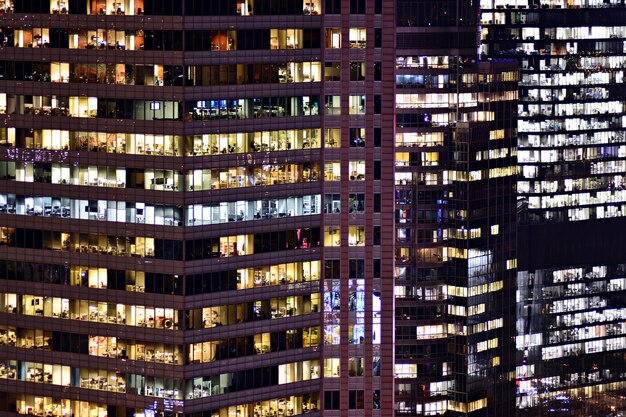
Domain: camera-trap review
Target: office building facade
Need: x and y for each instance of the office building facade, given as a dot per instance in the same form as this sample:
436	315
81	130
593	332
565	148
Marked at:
571	156
455	212
223	208
193	203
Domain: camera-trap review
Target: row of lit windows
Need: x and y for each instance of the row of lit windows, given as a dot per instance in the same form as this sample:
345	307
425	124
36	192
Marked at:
572	79
560	389
420	139
609	182
212	109
562	140
561	94
486	344
163	180
255	378
423	61
487	326
168	145
422	80
332	171
171	75
589	317
475	290
570	33
575	200
495	153
155	317
240	245
464	311
91	243
111	7
582	62
140	281
224	246
46	406
587	153
260	141
115	381
274	308
199	214
356	330
62	72
114	347
92	107
576	304
168	75
528	48
117	211
194	40
509	171
293	405
168	40
191	8
356	236
130	143
586	332
616	284
127	212
151	282
570	109
259	276
410	370
251	176
448	100
64	308
97	176
112	381
427	159
577	274
291	72
586	348
436	100
257	344
356	367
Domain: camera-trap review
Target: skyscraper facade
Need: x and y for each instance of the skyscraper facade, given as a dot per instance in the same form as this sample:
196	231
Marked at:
571	295
194	200
254	208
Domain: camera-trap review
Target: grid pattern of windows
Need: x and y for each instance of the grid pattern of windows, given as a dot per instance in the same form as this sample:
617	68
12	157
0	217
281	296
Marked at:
142	153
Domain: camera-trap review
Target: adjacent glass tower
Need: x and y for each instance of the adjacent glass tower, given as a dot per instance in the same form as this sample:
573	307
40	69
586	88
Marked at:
456	157
571	307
